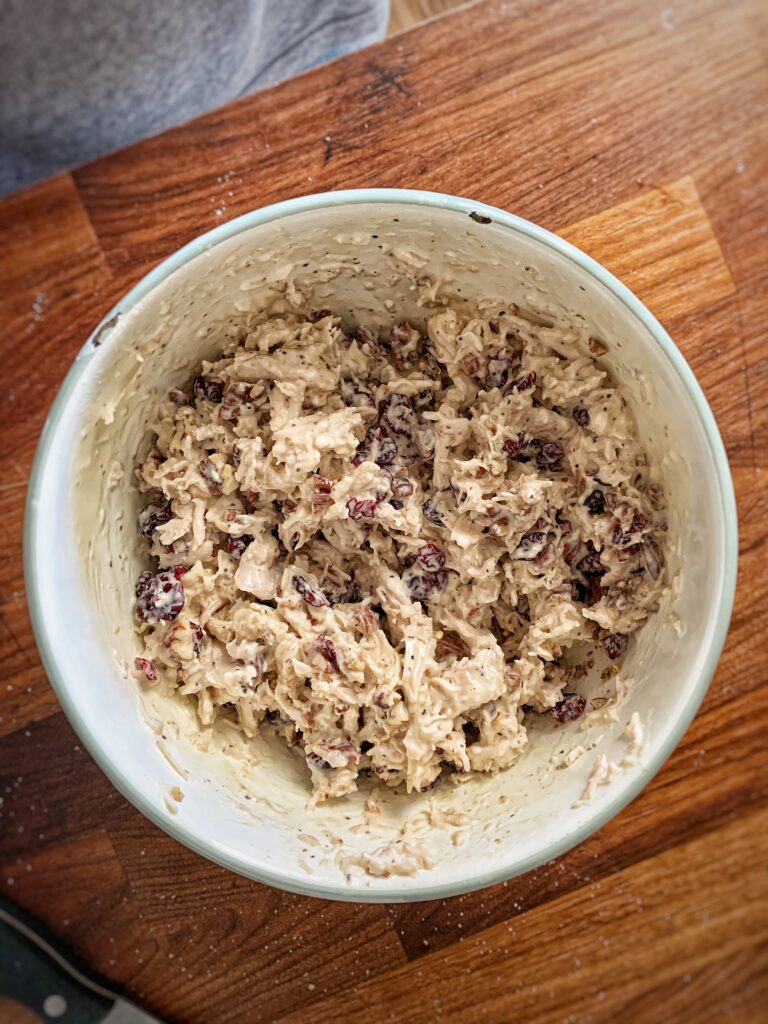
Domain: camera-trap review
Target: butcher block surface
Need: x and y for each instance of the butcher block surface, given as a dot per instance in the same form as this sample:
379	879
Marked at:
639	132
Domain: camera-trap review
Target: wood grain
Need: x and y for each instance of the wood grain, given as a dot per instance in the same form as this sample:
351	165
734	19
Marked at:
272	950
578	950
640	132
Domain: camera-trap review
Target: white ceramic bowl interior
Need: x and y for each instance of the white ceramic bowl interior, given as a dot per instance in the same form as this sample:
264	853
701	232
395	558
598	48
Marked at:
248	810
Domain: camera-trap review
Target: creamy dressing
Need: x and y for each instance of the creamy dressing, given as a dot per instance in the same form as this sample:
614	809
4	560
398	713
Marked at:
569	757
604	770
398	857
635	736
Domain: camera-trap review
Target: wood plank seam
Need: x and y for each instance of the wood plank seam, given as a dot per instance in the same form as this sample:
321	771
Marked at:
623	883
618	236
747	388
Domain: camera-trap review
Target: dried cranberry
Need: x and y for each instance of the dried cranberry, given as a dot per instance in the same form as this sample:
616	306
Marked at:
548	454
362	508
153	516
501	367
615	644
581	415
422	585
211	475
210	389
590	565
236	545
595	503
146	666
235	398
318	762
160	596
402	488
514	445
569	709
346	749
197	636
431	512
375	447
524	383
312	595
324	645
397	415
357	394
546	556
430	557
531	546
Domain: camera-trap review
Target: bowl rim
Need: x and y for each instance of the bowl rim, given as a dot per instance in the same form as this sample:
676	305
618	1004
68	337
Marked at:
56	669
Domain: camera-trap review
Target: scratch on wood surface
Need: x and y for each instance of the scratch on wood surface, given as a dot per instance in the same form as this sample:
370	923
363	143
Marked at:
383	83
386	78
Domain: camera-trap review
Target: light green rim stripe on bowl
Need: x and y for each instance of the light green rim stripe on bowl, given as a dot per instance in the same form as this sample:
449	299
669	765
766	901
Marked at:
210	848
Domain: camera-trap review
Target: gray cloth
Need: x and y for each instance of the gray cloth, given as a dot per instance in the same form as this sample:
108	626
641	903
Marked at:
79	78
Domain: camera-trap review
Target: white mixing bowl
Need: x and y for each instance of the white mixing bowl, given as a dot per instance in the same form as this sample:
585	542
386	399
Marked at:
82	559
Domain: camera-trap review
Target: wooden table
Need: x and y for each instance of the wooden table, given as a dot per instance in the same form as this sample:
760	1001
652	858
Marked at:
638	131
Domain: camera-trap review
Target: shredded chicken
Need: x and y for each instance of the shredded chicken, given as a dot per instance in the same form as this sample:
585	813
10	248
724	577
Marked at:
394	549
